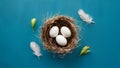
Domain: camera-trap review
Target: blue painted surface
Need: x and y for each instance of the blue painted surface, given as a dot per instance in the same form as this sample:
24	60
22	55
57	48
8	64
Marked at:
16	33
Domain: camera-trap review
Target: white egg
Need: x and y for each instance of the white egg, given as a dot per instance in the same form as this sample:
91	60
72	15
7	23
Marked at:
61	40
65	31
54	31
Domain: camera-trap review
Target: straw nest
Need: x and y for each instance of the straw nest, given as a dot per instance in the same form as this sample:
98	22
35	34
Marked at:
50	43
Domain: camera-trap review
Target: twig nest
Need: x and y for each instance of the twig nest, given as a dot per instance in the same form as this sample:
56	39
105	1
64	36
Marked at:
59	34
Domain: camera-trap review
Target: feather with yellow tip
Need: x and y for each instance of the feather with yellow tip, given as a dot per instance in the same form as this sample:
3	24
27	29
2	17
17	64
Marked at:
85	50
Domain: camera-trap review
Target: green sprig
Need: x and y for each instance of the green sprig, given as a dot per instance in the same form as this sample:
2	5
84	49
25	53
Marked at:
33	22
85	50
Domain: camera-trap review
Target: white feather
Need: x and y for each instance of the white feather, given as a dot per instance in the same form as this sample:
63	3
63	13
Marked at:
85	17
36	49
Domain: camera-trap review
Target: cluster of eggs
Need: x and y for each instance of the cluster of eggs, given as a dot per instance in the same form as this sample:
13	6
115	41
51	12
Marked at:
60	38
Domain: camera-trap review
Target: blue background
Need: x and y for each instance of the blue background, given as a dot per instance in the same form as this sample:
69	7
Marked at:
16	33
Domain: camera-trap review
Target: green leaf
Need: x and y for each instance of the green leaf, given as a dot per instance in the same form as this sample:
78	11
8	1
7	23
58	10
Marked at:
85	50
33	22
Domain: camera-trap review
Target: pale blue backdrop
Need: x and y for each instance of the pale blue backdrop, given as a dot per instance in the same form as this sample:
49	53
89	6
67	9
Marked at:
16	33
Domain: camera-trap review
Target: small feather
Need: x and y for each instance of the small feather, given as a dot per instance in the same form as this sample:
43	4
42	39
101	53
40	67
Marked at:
35	48
85	17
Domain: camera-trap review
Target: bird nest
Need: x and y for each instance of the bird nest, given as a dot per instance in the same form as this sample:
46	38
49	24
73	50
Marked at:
50	43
